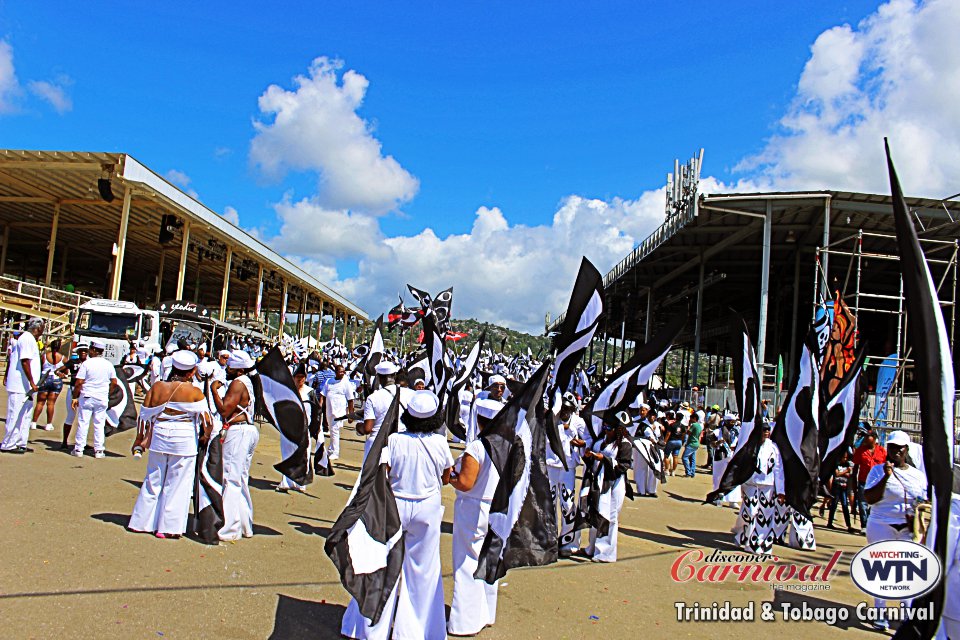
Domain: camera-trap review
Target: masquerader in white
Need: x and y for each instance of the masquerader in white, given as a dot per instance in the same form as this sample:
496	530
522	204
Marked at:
240	437
647	459
761	493
378	403
91	397
338	396
419	463
496	387
563	481
20	378
722	442
611	457
474	604
173	418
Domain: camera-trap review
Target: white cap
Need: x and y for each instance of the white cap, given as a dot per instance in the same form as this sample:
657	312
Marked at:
729	416
386	368
496	379
202	346
488	408
184	360
97	344
239	359
82	346
899	438
207	369
423	404
224	352
171	347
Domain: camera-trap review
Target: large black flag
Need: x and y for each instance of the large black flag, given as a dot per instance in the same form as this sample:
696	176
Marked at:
121	409
279	402
933	369
628	381
366	541
839	428
743	463
523	517
796	431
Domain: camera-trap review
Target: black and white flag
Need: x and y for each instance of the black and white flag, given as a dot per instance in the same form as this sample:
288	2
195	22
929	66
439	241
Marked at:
441	308
208	492
457	383
279	402
372	357
523	517
366	541
796	431
746	381
121	409
933	371
839	428
629	380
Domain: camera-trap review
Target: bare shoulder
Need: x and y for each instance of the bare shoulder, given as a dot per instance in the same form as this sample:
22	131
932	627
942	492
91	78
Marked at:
188	393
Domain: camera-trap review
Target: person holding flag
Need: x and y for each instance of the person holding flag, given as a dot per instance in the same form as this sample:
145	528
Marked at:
761	492
611	457
563	472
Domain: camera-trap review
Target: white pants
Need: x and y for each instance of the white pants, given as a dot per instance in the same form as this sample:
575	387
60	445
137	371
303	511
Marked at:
239	443
90	410
719	467
19	413
646	477
71	414
164	500
474	603
604	548
415	608
333	451
878	532
563	489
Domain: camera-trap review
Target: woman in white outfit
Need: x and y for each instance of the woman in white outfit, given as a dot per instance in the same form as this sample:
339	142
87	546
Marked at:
721	451
474	604
754	531
893	490
240	437
173	420
419	464
611	456
647	461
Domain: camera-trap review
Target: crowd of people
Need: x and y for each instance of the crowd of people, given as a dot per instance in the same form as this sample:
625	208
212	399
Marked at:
193	397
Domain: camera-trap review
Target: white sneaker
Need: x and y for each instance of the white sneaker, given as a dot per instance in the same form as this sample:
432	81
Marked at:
33	425
99	454
333	457
76	454
47	427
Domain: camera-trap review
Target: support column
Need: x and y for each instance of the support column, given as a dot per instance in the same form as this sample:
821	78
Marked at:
649	318
344	327
699	324
764	289
825	257
259	304
52	248
184	250
320	322
283	308
163	259
793	320
226	284
623	340
121	244
3	249
303	307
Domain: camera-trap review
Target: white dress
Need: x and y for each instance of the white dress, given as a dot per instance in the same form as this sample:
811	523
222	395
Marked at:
239	443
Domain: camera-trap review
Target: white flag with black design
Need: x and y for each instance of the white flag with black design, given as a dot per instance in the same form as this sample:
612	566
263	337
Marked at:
522	528
278	401
933	372
457	383
121	409
366	541
839	428
746	382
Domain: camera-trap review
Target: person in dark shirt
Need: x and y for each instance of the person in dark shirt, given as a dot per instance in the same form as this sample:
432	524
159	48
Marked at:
675	433
840	486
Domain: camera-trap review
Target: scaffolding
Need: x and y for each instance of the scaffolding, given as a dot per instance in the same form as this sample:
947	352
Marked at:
866	296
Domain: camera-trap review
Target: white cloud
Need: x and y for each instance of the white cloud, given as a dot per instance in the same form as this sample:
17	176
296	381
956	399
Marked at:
55	93
896	74
231	215
182	180
315	127
9	85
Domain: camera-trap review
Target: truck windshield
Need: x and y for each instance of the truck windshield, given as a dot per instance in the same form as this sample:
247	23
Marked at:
107	325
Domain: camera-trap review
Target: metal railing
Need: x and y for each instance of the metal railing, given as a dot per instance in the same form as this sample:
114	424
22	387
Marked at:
57	306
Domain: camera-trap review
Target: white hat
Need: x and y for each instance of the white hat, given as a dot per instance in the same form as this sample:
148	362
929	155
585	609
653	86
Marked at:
97	344
239	359
488	408
387	368
184	360
496	379
82	346
423	404
207	369
171	347
899	438
224	352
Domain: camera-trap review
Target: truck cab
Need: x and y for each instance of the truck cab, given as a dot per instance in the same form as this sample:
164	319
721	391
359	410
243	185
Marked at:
116	323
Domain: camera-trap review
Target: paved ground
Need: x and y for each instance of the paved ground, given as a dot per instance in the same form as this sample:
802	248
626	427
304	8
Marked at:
70	569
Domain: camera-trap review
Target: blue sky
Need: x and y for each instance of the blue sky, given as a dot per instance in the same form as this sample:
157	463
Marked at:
516	107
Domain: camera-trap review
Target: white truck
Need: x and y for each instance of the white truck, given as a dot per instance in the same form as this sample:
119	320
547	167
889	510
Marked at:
116	323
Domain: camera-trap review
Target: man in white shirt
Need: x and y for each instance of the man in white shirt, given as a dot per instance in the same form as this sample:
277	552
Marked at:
20	381
338	396
563	481
496	387
378	403
91	397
